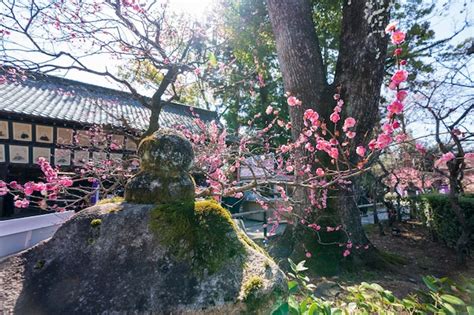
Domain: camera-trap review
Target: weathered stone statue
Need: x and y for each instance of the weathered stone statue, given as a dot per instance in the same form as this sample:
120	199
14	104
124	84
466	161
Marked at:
165	159
158	253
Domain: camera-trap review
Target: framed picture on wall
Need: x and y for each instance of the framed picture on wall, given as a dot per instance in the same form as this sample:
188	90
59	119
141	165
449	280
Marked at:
81	157
64	136
131	145
41	152
99	156
116	156
117	142
4	134
62	157
3	157
19	154
83	138
22	132
44	134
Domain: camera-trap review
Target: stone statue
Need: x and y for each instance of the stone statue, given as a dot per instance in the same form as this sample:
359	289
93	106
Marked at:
165	160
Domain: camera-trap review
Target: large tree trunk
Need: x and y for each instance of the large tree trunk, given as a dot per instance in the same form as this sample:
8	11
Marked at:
359	74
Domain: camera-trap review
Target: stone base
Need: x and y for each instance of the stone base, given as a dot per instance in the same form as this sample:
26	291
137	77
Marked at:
107	260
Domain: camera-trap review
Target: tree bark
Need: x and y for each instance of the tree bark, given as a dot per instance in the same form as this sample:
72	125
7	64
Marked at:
359	74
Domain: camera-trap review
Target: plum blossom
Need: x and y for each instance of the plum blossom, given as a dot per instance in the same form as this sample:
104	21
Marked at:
445	158
349	122
269	110
392	26
401	95
335	117
400	76
398	37
360	150
395	107
319	172
293	101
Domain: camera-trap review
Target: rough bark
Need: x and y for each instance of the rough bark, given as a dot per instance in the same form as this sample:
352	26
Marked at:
359	74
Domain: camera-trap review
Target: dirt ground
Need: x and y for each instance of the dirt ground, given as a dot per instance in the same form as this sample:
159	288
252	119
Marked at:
420	256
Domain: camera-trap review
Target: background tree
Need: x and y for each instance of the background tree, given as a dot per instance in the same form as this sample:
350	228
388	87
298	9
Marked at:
61	36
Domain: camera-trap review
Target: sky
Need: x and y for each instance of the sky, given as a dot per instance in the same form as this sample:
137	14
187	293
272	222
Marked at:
444	22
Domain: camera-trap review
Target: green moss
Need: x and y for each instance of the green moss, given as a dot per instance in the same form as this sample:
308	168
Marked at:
39	264
115	199
201	233
250	243
251	287
96	223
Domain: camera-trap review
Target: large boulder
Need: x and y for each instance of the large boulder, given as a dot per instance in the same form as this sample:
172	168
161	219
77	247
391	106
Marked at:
121	258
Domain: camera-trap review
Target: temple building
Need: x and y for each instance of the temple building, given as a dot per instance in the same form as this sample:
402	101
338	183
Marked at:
51	117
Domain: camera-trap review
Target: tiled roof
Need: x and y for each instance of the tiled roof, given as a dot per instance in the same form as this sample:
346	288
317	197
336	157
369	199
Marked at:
67	100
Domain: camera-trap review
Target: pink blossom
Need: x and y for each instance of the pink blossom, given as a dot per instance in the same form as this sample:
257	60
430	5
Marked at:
401	95
334	117
397	52
24	203
269	110
401	137
420	148
3	79
360	150
398	37
330	229
280	123
312	116
383	141
293	101
396	107
400	76
392	26
372	144
346	253
314	226
349	122
387	128
392	86
289	168
350	134
395	124
445	158
319	172
308	255
334	153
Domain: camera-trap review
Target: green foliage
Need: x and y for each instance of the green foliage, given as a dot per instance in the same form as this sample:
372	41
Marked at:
96	223
443	296
201	233
437	214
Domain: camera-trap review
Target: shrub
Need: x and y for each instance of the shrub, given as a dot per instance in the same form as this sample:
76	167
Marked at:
436	213
443	296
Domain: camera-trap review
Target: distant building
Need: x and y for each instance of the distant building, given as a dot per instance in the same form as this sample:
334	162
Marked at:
47	116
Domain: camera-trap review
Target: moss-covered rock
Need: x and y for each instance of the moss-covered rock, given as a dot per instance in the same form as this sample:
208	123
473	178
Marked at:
131	265
202	233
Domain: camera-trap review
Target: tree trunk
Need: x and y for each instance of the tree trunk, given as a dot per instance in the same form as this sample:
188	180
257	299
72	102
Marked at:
359	73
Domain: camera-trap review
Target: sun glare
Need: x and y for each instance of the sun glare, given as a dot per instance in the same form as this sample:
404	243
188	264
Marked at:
195	8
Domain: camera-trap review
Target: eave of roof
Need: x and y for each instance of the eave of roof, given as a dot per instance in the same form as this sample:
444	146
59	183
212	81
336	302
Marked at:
54	98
